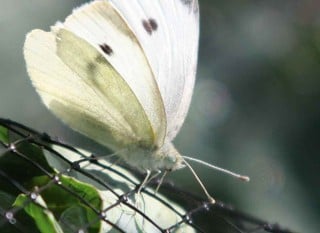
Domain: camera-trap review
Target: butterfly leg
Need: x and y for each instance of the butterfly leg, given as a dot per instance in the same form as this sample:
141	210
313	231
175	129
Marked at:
148	178
158	172
144	182
160	182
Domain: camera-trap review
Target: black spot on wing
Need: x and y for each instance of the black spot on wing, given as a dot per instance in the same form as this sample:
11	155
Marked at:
150	25
106	49
153	24
192	5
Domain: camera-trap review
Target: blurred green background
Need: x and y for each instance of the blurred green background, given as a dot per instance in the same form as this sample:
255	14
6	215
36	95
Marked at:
255	108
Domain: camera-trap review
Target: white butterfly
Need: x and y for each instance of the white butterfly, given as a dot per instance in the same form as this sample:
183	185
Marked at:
122	73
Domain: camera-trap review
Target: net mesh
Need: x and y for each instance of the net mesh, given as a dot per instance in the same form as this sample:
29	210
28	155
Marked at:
48	186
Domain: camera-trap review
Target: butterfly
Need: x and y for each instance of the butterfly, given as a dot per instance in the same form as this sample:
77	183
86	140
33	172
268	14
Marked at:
122	73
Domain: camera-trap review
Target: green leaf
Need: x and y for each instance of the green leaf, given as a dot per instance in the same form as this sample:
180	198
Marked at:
15	167
43	218
4	136
61	202
57	203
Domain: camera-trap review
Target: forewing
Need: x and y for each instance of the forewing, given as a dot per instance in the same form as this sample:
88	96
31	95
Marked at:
168	31
103	27
81	87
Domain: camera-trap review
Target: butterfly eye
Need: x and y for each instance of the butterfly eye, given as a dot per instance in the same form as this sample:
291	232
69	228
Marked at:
172	158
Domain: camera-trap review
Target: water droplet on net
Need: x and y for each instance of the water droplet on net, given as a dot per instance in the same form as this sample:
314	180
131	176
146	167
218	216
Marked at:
33	196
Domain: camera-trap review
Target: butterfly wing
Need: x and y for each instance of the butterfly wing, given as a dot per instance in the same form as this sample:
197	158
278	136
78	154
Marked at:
81	83
104	28
168	31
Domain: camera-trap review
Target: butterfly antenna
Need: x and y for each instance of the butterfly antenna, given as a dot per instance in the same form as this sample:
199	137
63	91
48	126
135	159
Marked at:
241	177
211	199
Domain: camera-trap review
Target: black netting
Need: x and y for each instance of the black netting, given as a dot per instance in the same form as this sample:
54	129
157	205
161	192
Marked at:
48	186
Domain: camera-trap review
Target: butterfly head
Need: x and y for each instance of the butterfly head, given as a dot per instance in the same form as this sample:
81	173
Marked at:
170	158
